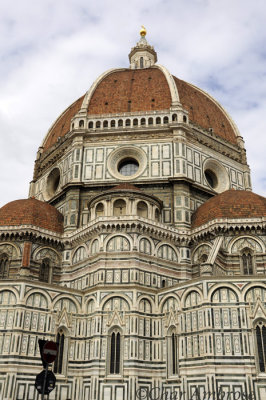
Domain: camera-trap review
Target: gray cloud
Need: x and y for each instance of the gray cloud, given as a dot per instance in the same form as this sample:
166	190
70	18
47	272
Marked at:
51	52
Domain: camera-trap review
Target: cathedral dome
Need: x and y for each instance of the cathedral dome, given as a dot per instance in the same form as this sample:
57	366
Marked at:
31	212
145	89
231	204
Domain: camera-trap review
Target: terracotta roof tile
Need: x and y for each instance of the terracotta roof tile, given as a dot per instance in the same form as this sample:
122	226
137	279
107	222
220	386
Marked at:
204	112
31	212
62	125
145	90
232	204
131	90
125	186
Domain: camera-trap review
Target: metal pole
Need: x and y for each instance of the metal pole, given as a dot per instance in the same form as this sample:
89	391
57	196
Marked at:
44	382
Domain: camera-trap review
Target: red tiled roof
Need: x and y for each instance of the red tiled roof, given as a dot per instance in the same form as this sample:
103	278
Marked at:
131	90
62	125
125	186
145	90
203	111
31	212
232	204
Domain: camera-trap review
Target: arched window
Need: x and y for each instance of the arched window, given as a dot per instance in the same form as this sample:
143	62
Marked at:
150	121
165	120
81	123
3	266
174	117
45	271
98	124
90	125
142	209
105	124
247	262
141	62
145	246
59	361
157	215
113	123
142	121
119	207
79	255
95	246
128	122
115	352
158	121
261	345
135	121
120	122
99	210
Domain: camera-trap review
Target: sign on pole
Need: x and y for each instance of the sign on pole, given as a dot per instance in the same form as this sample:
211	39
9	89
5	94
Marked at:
49	352
41	344
45	380
45	386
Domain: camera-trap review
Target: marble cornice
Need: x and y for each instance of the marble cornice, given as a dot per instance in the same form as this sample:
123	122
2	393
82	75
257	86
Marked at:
223	225
127	224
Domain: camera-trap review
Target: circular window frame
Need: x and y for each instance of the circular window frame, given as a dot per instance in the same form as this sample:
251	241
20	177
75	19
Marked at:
52	177
219	173
123	153
126	161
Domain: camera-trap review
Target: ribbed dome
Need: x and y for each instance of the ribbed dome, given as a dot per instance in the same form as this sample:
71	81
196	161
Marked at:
31	212
232	204
146	90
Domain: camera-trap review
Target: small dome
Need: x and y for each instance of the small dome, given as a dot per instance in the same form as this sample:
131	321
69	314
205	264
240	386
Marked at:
31	212
231	204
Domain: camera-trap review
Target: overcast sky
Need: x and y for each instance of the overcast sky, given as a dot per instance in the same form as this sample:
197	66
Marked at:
51	51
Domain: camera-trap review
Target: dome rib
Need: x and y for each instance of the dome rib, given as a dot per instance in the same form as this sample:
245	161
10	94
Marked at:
206	112
62	124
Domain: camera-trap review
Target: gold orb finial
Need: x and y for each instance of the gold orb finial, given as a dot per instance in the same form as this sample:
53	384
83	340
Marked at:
143	31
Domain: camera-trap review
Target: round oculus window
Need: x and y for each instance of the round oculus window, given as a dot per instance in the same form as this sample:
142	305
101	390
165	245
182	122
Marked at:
128	167
216	176
127	163
211	178
53	181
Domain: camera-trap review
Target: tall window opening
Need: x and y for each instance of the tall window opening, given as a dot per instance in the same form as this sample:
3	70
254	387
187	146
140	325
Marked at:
142	209
141	62
157	215
45	271
115	353
172	353
247	262
3	266
174	368
99	210
261	345
58	364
